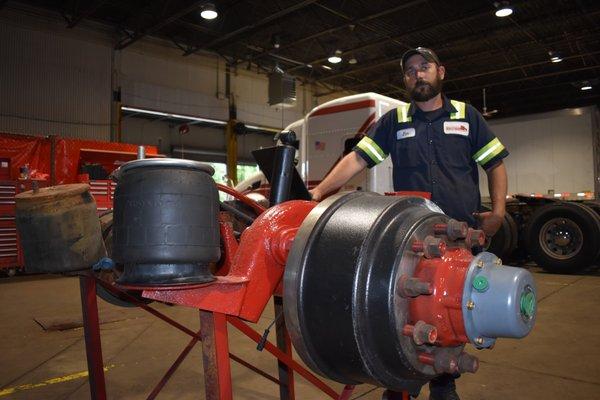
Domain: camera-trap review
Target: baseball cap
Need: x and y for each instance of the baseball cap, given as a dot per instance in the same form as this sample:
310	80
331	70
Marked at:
426	53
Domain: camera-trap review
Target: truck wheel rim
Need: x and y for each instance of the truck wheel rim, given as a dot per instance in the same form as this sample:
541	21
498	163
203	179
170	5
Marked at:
561	238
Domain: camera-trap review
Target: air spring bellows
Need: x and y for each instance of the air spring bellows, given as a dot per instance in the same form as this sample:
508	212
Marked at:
59	229
165	222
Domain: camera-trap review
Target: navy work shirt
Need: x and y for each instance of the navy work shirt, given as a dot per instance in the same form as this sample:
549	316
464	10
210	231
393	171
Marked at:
436	152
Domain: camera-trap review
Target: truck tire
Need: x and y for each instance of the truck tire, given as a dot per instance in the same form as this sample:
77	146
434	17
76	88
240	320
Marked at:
563	237
595	206
504	242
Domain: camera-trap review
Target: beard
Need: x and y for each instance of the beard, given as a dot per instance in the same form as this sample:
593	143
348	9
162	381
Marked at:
424	91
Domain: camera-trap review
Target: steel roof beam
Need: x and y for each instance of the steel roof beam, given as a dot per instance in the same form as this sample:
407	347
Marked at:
123	43
86	13
345	25
244	29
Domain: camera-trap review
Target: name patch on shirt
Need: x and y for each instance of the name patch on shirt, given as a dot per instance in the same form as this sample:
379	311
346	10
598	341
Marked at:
456	128
405	133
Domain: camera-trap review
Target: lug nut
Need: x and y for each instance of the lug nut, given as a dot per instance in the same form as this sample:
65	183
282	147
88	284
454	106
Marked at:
430	247
443	362
421	332
467	363
453	229
475	237
433	247
413	287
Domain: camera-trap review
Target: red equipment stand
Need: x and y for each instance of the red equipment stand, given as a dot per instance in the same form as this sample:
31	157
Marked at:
215	349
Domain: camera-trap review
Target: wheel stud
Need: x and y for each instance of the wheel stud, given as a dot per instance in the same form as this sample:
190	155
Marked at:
421	332
413	287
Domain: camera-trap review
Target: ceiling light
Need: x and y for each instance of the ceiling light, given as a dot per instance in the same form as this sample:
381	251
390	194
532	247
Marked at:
503	9
276	41
209	11
586	87
555	56
327	67
352	61
174	116
336	57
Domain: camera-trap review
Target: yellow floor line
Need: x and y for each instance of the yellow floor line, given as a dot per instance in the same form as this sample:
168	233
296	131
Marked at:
51	381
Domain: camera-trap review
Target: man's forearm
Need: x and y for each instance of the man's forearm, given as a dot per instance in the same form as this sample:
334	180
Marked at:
347	168
497	184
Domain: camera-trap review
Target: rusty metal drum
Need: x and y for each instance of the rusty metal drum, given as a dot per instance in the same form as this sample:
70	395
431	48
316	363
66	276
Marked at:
59	229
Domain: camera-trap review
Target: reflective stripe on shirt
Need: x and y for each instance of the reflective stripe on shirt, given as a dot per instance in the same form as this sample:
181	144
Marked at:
372	149
489	151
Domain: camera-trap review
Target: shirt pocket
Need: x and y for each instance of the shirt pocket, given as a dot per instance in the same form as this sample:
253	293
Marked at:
407	153
454	151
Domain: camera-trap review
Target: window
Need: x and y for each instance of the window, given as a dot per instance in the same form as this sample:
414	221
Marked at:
244	171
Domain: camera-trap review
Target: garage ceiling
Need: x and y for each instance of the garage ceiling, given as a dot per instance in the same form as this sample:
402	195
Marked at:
509	57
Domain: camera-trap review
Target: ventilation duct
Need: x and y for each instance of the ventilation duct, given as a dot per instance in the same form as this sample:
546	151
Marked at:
282	89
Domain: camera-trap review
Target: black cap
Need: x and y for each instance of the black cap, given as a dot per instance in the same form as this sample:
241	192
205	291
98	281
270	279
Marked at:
426	53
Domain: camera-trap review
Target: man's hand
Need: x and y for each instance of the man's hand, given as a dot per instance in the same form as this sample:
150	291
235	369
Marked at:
490	222
315	194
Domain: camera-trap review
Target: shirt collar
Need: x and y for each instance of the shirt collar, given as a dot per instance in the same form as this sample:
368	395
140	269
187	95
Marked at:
446	105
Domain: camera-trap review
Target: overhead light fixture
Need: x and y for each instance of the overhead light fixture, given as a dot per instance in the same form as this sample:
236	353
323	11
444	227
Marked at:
174	116
276	41
586	87
327	67
352	61
336	57
209	11
555	56
503	9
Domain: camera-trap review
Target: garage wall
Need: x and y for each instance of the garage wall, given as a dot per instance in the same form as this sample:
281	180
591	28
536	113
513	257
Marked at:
548	151
159	78
51	84
60	81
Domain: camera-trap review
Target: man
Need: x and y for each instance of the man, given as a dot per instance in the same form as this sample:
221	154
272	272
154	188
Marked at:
435	144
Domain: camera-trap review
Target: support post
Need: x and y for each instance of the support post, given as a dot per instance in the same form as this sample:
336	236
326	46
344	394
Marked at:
93	345
215	356
281	178
231	151
286	374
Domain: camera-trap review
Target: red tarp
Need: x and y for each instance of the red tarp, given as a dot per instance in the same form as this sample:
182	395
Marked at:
69	155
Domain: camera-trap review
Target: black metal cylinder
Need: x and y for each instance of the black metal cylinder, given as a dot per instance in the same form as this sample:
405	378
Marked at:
341	288
165	222
281	181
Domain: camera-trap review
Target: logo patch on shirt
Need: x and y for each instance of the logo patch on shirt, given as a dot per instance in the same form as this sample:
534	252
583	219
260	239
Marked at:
456	128
405	133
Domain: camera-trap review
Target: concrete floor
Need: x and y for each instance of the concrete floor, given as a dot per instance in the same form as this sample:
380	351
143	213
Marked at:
559	360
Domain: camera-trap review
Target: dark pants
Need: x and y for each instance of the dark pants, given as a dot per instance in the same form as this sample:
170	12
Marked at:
443	383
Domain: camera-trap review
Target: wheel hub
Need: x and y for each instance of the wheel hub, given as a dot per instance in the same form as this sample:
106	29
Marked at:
561	238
